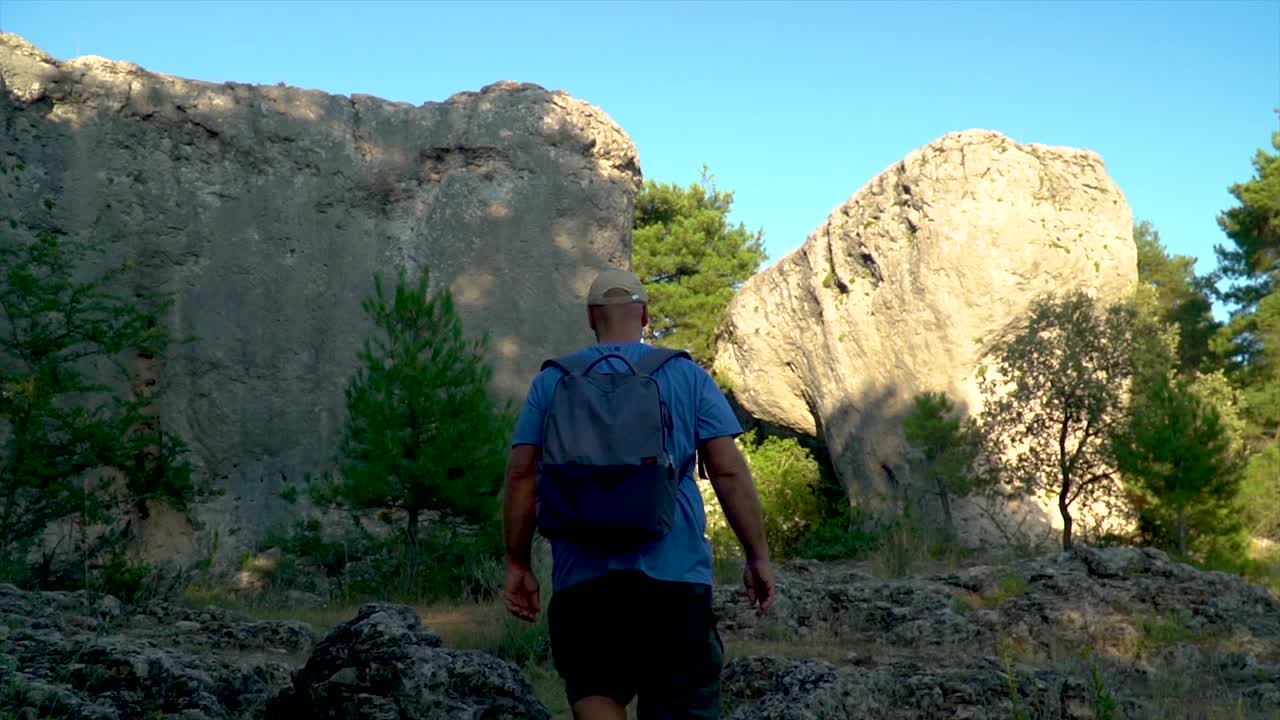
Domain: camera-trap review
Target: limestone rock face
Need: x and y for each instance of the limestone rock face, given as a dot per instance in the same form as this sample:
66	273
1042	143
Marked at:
267	210
900	289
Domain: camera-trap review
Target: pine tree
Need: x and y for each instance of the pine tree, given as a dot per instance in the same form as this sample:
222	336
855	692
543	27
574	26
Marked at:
1250	341
691	261
1251	263
944	449
1253	226
80	440
1182	471
423	433
1182	297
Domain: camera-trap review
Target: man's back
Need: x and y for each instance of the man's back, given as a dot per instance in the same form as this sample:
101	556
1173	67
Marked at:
698	412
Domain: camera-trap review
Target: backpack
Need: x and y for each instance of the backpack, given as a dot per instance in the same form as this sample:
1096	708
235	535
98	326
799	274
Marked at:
606	477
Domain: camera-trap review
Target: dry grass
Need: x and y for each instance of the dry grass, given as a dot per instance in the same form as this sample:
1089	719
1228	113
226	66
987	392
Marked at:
1010	587
466	626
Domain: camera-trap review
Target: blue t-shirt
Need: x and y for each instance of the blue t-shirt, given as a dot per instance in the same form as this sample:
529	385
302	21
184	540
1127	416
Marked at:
699	413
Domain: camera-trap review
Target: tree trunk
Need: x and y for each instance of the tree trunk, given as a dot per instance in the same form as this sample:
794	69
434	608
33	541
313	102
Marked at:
1064	494
411	528
1182	532
411	531
945	498
1066	516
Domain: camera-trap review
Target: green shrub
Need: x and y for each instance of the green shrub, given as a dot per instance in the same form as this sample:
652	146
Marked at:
841	538
1168	629
911	538
787	479
901	548
1260	494
1264	570
132	581
453	563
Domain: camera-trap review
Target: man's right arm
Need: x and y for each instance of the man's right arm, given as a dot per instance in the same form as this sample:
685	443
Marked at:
519	507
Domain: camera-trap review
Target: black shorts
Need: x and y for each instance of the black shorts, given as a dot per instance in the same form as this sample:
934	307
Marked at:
625	635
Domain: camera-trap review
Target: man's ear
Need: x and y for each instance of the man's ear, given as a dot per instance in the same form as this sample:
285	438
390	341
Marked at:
644	315
591	319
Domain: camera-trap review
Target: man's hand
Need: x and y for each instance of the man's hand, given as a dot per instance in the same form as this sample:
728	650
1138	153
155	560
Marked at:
520	592
757	578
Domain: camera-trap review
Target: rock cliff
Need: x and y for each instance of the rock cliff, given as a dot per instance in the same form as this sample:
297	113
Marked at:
268	209
900	290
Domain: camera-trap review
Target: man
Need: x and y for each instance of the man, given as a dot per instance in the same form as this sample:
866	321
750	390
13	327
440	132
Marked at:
638	623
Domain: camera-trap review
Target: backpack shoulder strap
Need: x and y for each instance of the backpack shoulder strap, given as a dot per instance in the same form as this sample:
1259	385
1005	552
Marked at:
574	365
567	364
656	358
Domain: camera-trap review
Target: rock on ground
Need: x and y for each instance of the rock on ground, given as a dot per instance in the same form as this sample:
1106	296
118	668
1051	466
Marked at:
267	210
905	284
385	665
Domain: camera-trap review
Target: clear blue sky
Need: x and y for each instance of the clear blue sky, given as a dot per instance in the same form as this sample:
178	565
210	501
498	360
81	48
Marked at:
792	106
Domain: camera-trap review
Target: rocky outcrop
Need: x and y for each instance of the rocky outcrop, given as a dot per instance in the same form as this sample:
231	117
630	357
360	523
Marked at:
86	655
1088	594
1059	636
1059	633
385	664
267	210
903	287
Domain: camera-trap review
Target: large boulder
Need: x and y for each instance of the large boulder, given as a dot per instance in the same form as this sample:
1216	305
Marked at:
267	210
903	287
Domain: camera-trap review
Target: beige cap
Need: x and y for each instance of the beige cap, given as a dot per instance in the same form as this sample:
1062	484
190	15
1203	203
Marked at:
615	279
